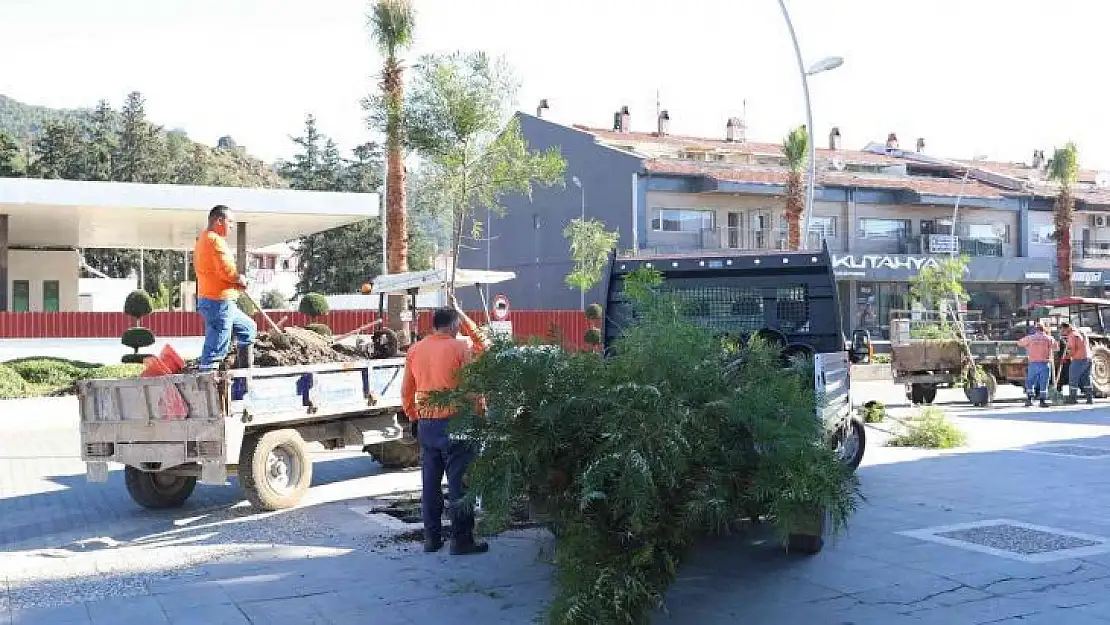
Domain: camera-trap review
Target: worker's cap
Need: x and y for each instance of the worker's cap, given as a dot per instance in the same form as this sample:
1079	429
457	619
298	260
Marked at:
1064	325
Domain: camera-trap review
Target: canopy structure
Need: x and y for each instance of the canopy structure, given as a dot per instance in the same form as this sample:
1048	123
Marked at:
433	280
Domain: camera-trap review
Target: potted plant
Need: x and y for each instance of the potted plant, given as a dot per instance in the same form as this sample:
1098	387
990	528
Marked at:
977	387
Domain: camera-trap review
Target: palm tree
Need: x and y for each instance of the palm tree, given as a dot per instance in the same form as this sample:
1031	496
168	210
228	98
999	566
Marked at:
1064	170
795	146
391	26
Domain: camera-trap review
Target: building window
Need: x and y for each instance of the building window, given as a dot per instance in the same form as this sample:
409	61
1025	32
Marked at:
684	220
1042	235
285	265
871	228
823	227
988	231
51	302
21	296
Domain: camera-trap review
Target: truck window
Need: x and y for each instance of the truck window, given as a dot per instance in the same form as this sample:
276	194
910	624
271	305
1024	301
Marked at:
1088	318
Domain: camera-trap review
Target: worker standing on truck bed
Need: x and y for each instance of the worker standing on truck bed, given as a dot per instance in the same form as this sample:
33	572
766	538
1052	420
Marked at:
218	286
433	364
1079	368
1039	347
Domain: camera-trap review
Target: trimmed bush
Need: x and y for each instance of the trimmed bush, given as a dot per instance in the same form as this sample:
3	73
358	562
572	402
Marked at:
273	300
12	385
134	359
138	304
314	305
137	338
873	412
594	312
930	430
592	336
46	372
319	328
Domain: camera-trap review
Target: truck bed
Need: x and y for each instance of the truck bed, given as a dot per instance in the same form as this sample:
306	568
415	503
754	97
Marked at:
200	418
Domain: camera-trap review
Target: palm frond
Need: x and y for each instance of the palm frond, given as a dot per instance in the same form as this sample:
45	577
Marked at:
795	147
391	24
1064	165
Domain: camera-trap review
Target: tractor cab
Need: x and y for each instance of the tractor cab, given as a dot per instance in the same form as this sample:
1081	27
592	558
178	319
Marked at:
1089	315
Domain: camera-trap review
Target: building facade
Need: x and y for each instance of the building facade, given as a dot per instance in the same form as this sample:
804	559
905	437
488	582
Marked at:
883	212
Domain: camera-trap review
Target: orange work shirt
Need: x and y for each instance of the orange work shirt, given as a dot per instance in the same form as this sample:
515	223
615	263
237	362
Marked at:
1039	346
433	364
217	276
1078	347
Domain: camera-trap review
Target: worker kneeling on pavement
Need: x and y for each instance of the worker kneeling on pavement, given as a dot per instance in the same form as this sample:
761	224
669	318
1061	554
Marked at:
1079	371
1039	347
218	286
433	364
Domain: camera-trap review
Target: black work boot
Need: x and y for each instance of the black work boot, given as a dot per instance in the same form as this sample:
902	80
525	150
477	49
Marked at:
433	542
1028	401
1044	403
244	356
1072	399
467	546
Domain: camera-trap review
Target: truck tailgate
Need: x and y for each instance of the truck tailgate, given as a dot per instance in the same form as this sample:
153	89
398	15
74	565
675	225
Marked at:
153	423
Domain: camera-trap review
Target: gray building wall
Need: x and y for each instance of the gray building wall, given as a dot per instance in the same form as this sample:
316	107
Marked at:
528	238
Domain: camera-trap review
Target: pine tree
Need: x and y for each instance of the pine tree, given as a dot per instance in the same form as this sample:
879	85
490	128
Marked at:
102	141
12	163
140	149
59	152
303	172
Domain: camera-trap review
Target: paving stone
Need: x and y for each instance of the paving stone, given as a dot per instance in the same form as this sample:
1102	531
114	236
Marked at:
985	610
137	610
73	614
209	614
193	596
282	611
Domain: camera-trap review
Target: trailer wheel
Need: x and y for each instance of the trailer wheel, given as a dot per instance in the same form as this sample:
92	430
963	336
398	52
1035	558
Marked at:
274	469
403	453
158	491
1100	370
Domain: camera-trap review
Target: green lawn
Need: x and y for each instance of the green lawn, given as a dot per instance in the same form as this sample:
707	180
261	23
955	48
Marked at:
40	376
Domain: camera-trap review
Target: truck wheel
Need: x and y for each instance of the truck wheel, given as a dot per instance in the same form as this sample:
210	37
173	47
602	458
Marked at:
917	394
928	393
399	454
849	443
1100	370
158	491
274	469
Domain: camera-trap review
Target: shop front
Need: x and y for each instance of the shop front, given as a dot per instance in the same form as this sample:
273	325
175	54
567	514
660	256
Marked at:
1090	282
870	286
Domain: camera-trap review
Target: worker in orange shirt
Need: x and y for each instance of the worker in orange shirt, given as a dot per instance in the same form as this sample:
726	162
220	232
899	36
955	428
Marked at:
1039	346
1079	367
433	364
218	286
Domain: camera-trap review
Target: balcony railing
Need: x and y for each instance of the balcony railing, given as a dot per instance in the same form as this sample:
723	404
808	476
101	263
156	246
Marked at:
946	244
1091	249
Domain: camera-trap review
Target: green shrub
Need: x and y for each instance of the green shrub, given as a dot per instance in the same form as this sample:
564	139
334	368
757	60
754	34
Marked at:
46	372
666	431
80	364
314	305
111	371
137	338
592	336
12	385
881	359
593	312
930	430
134	359
873	412
319	328
138	304
273	300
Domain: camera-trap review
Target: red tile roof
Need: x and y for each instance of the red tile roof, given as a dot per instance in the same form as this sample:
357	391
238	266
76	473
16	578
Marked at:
754	175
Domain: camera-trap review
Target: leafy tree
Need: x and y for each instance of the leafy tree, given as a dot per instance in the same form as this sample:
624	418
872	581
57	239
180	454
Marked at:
934	286
590	244
1064	170
364	171
273	300
314	305
795	146
12	164
59	152
455	118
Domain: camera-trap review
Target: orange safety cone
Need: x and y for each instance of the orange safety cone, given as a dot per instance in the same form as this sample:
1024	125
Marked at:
173	361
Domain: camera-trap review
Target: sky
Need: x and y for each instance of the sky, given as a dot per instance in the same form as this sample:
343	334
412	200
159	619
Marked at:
998	78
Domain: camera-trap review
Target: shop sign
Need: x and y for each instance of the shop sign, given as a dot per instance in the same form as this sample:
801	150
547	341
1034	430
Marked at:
878	261
1087	276
1038	275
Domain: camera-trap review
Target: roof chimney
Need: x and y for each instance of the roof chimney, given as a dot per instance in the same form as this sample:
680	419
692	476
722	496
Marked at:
736	130
542	108
834	138
664	123
892	141
625	120
920	145
617	121
1038	159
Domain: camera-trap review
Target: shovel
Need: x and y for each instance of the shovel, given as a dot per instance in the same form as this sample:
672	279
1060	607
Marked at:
277	335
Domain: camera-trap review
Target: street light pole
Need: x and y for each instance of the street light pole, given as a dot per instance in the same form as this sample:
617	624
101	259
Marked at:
824	65
956	205
582	190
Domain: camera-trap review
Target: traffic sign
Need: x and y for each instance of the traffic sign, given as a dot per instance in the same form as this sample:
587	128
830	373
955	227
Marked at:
501	307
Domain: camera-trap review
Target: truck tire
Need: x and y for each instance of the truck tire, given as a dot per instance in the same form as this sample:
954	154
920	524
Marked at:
274	469
928	393
158	491
403	453
849	444
1100	370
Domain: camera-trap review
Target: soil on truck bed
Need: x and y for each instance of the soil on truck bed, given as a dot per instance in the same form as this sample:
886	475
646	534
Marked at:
300	347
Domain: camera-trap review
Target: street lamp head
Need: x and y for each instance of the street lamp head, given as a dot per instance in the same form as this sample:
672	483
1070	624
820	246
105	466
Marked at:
825	64
576	181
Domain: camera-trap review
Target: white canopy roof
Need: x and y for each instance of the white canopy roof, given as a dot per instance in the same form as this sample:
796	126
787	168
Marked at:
432	280
69	213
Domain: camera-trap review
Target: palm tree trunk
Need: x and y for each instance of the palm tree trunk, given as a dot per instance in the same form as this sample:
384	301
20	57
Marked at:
397	253
1063	218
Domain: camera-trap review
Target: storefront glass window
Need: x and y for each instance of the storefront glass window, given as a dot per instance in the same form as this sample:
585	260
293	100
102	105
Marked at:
874	301
994	301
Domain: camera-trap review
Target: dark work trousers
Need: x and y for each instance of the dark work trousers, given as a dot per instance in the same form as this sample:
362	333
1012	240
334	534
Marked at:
441	454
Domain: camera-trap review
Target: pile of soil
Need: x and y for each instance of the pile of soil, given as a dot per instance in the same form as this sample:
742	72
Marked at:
299	347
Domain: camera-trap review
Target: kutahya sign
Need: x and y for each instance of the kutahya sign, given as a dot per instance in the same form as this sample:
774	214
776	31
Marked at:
902	267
